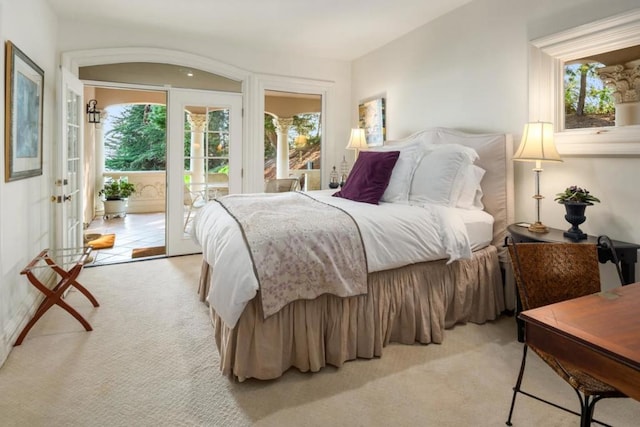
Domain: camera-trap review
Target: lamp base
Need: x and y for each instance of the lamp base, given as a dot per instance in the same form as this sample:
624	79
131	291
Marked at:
538	227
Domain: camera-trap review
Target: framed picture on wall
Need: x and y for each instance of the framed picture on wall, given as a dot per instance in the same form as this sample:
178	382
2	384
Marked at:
24	90
372	119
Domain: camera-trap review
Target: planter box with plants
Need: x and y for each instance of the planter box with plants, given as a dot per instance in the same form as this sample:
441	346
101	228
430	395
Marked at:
115	194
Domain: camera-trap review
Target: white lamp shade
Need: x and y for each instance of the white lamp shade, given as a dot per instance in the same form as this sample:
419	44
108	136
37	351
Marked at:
537	143
357	140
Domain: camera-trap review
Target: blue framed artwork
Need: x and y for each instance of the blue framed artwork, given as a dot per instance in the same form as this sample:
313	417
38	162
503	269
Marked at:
24	90
371	115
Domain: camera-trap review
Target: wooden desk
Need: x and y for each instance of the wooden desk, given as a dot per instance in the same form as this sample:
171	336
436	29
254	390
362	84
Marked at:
627	254
598	333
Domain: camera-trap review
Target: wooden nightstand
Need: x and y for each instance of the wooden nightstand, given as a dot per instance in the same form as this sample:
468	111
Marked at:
627	254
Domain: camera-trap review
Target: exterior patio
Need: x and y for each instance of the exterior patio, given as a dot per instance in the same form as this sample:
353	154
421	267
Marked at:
133	231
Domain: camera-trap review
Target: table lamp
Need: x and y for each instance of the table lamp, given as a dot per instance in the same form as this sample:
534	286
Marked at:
537	145
357	141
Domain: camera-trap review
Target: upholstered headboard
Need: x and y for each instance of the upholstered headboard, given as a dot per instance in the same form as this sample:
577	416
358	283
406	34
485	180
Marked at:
494	156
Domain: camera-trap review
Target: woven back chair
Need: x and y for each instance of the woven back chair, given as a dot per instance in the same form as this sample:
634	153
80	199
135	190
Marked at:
554	272
281	185
218	185
546	273
192	201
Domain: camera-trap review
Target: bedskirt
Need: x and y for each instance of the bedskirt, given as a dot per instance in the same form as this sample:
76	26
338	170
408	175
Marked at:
408	305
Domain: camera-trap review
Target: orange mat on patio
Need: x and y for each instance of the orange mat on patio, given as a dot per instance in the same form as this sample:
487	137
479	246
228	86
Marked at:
103	242
145	252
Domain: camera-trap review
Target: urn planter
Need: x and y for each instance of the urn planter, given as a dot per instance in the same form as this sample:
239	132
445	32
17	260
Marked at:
575	216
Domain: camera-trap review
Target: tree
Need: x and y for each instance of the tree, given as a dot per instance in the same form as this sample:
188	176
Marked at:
308	124
584	92
137	141
584	69
270	136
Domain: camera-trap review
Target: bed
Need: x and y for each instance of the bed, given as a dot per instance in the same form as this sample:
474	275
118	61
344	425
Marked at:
410	294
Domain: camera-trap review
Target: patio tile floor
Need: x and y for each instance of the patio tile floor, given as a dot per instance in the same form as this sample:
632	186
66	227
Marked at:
132	232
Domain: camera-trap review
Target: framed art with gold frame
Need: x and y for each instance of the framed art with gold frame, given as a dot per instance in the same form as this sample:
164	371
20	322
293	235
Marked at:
24	90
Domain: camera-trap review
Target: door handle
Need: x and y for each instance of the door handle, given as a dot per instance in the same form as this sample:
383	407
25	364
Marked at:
60	199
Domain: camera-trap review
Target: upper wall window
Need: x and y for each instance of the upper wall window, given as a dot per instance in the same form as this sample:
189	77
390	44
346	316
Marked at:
588	102
613	42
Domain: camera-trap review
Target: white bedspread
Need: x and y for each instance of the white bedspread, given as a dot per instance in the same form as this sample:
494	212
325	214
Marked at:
394	235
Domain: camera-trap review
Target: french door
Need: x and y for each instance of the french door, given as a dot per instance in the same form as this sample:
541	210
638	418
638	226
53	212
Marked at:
67	193
204	158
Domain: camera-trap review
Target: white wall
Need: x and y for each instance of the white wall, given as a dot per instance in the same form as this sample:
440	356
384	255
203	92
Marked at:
468	70
25	209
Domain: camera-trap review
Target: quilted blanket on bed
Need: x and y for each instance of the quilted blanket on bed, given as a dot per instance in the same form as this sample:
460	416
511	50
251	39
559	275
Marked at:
295	255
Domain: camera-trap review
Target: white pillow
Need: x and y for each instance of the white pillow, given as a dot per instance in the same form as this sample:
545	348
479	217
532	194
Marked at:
471	192
410	154
439	175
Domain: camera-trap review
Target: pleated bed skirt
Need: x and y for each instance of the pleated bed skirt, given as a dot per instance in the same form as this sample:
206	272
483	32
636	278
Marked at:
408	305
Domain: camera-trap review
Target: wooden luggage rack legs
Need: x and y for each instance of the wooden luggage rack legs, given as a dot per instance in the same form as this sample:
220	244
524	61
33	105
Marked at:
54	296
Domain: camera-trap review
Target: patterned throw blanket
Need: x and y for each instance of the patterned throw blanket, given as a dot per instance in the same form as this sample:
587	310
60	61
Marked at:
301	248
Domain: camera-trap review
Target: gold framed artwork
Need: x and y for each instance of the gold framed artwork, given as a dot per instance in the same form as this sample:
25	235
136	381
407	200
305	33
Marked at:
371	116
24	90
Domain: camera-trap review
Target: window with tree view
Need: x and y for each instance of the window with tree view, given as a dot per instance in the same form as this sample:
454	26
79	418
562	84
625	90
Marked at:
588	102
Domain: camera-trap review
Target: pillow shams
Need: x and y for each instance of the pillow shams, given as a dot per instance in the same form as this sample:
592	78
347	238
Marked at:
369	177
438	177
471	192
410	154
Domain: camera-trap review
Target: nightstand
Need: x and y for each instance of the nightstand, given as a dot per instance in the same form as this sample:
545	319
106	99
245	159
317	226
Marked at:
627	254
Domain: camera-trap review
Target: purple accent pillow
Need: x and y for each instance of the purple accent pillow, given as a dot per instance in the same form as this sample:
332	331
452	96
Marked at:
369	177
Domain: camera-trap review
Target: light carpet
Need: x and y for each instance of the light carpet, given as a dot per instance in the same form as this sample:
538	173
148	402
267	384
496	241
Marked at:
151	360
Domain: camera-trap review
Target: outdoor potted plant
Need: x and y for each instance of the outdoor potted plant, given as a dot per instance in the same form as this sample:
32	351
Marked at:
115	194
575	200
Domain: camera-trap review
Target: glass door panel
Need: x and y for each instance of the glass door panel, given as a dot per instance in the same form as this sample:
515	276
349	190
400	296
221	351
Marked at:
293	137
206	158
68	181
210	165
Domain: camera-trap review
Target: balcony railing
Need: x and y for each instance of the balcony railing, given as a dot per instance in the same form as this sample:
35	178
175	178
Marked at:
150	195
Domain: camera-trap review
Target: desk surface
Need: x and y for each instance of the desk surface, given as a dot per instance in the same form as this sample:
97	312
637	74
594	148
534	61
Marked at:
598	333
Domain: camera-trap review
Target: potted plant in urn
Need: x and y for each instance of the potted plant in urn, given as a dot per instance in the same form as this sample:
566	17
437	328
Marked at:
115	193
575	200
